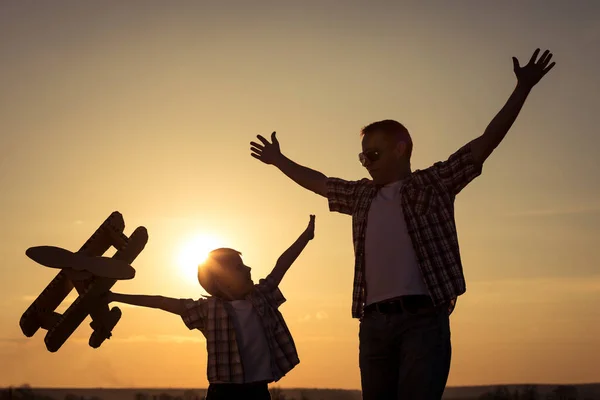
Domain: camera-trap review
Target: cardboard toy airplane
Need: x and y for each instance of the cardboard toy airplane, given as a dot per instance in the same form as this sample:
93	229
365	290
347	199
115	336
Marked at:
92	275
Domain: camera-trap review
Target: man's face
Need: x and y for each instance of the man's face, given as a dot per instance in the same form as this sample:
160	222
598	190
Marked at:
381	156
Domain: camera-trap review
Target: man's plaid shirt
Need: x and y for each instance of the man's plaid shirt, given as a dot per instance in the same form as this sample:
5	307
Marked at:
210	316
427	201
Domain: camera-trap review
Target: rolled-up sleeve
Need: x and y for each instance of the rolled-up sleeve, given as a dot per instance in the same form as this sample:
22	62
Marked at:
458	170
194	314
342	195
271	291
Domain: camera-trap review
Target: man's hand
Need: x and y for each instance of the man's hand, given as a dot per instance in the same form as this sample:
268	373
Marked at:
529	75
268	153
310	229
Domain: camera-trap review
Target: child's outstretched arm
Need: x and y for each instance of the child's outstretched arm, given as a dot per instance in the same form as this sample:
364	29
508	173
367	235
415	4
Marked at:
168	304
286	260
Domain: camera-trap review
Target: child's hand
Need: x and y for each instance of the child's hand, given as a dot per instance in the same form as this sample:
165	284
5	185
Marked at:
310	229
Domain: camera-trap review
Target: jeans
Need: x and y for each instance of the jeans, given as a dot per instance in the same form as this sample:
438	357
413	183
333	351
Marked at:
404	356
242	391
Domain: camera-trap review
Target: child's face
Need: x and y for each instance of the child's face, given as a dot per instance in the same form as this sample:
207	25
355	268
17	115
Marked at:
237	281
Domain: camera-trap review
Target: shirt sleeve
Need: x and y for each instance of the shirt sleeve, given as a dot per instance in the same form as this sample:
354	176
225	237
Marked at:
458	170
194	314
271	291
342	195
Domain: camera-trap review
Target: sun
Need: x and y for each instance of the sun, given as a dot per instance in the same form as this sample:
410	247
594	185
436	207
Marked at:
193	252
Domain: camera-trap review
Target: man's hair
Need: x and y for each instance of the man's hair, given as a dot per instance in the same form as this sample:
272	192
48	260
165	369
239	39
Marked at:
215	268
390	128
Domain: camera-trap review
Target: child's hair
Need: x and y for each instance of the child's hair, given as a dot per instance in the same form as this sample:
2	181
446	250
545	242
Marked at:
214	268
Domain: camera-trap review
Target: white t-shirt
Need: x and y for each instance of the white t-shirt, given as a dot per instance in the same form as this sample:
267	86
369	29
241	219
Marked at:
252	342
391	265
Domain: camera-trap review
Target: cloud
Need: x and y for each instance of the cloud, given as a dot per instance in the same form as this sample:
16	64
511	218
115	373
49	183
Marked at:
102	370
305	318
322	315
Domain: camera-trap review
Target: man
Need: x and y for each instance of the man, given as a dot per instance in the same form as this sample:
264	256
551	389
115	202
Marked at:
408	270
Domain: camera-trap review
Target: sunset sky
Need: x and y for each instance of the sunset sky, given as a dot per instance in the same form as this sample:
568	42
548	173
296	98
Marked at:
148	108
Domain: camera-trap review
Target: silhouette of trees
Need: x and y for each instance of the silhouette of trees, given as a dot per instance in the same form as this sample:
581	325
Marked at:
524	392
530	392
499	393
565	392
23	392
303	396
72	396
277	394
188	394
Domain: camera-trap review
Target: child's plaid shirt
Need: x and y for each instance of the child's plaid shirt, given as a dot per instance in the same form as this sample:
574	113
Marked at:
427	201
209	315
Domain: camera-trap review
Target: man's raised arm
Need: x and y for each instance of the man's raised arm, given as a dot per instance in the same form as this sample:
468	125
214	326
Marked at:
527	77
270	153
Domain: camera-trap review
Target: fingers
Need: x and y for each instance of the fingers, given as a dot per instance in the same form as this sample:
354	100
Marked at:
263	140
516	65
548	68
534	56
546	59
256	151
546	56
311	226
258	146
535	69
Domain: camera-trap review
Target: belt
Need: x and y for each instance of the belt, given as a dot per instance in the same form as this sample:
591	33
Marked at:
409	303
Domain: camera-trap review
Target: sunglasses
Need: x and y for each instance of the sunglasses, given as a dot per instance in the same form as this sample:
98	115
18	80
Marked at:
370	155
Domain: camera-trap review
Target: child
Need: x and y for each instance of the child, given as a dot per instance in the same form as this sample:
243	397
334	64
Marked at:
248	342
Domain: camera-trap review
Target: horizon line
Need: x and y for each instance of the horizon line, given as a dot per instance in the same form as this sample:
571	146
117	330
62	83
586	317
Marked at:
275	383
